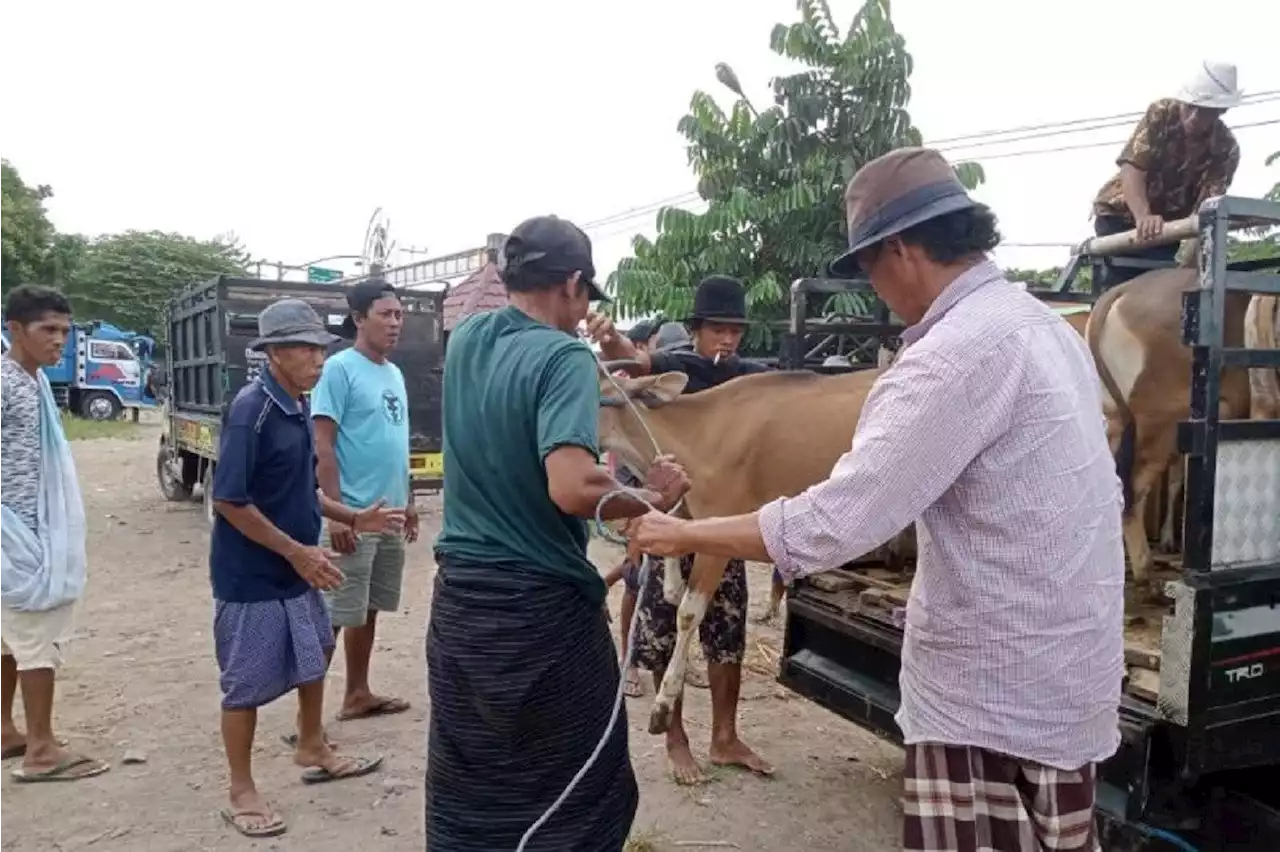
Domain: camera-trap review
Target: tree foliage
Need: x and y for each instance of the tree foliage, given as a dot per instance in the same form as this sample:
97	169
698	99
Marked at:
127	278
773	180
26	233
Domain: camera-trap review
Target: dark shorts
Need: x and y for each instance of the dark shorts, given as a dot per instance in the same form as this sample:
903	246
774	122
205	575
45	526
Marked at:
723	631
267	648
969	799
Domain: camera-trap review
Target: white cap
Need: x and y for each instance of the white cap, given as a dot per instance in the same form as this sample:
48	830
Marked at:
1212	85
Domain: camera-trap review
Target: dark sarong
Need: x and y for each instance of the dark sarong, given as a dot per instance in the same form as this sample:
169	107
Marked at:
522	674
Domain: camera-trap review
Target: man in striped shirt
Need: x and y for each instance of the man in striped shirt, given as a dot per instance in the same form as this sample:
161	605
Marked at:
988	433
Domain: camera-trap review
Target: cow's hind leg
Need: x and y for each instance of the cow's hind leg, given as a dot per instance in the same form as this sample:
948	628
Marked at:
704	579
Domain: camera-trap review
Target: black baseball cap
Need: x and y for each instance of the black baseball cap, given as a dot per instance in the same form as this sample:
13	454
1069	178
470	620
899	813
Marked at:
552	244
361	297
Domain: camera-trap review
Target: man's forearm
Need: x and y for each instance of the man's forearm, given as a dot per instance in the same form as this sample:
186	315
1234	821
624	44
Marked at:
335	510
1133	183
622	506
327	474
735	537
255	527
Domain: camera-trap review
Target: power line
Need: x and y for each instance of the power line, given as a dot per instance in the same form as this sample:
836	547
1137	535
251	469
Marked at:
1247	100
702	205
1065	127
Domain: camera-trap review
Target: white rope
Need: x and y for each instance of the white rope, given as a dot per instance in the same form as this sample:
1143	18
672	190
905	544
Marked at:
645	566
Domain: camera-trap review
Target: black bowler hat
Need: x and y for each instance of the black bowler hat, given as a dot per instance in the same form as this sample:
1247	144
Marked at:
719	299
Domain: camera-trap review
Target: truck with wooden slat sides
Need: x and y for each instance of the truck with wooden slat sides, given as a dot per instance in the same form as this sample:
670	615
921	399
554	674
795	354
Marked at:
1199	763
210	326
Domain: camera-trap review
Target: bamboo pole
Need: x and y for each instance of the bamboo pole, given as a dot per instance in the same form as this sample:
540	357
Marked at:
1112	244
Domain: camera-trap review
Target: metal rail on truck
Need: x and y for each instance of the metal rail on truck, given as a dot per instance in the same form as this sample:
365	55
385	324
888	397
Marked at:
1202	755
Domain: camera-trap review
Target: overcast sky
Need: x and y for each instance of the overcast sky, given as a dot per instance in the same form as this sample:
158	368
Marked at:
289	122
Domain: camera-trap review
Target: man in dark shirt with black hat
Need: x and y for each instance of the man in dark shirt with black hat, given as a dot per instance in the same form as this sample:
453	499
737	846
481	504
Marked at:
717	324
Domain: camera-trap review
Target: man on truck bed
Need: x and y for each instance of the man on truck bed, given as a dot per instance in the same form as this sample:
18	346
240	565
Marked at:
1180	154
985	432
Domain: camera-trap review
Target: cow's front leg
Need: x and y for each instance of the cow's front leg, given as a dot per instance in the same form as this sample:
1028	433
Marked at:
704	579
672	580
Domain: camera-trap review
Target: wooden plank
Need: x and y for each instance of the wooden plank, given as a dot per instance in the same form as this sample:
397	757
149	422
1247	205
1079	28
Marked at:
1144	684
834	581
1142	658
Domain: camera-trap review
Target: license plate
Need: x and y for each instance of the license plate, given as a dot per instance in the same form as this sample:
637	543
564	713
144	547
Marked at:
426	464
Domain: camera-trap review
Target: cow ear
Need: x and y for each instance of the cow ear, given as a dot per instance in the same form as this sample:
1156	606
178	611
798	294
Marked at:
665	387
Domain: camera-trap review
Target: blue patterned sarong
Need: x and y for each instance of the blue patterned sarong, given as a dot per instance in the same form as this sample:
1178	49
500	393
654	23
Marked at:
267	648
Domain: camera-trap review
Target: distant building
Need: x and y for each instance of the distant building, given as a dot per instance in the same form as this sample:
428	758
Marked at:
480	291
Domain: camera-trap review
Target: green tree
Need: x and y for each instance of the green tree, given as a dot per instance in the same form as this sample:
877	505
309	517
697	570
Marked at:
773	180
25	229
127	278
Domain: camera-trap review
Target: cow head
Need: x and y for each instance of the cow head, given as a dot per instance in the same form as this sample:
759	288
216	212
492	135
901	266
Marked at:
623	402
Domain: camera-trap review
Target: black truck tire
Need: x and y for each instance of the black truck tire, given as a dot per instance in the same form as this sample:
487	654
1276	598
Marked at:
100	405
173	488
206	486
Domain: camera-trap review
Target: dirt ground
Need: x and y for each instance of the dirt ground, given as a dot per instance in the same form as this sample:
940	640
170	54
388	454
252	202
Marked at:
142	679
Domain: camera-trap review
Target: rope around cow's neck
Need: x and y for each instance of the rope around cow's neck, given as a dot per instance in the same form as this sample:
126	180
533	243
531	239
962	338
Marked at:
646	566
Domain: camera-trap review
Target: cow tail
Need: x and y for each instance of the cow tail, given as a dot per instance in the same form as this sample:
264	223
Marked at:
1126	452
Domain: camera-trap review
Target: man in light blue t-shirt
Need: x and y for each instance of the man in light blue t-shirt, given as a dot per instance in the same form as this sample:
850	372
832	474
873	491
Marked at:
361	414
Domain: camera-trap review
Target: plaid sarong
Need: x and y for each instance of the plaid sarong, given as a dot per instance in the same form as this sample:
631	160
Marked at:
966	799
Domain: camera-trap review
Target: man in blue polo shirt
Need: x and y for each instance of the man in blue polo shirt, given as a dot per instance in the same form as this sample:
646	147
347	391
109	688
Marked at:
271	629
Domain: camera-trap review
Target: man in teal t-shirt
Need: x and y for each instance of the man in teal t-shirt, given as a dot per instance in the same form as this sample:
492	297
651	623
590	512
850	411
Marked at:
521	669
361	413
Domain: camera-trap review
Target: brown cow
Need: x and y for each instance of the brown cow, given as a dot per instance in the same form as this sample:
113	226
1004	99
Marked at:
733	470
1135	335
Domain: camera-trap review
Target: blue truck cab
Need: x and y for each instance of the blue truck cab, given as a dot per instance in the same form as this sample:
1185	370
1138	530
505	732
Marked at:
103	370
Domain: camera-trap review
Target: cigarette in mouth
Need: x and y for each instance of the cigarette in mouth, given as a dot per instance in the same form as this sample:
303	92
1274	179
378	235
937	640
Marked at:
719	355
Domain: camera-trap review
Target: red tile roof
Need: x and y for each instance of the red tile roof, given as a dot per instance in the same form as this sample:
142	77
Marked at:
483	290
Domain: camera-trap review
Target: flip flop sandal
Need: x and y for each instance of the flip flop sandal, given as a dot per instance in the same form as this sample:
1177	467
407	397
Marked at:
384	707
236	819
352	768
63	771
21	750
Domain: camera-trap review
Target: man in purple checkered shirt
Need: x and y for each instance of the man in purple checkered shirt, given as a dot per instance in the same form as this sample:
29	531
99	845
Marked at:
988	433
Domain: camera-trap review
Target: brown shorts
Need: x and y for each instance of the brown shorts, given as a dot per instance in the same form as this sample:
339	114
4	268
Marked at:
966	799
723	631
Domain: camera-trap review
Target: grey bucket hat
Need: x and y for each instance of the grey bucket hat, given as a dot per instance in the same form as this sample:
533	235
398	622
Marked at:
671	335
290	321
893	193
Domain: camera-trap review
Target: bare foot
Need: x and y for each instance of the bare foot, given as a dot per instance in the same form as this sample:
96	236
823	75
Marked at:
768	616
696	676
632	685
13	744
684	768
736	753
